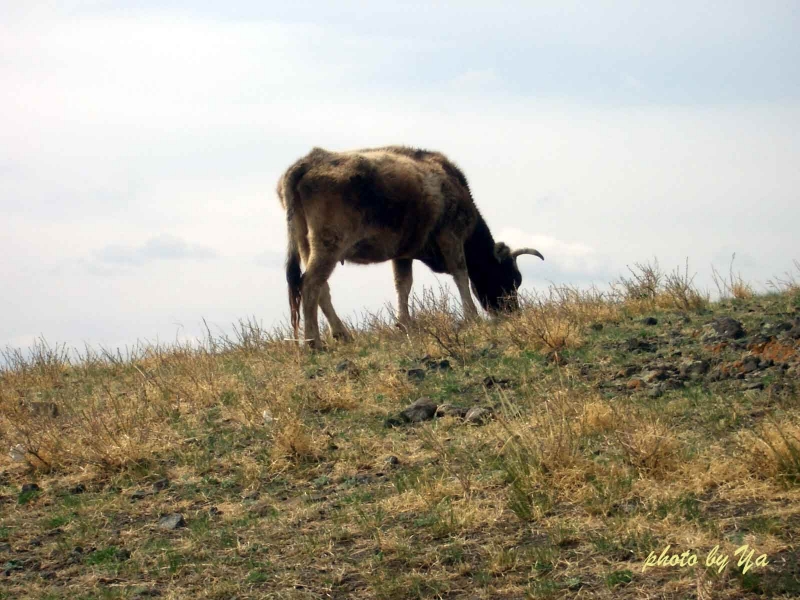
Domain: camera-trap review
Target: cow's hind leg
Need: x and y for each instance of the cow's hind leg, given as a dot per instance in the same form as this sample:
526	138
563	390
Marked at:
403	278
315	279
338	329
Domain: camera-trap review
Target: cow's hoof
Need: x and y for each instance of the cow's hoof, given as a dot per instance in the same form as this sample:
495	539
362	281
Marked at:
317	346
343	336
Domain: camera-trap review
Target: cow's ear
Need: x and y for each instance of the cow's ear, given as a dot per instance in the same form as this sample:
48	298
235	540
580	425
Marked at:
501	251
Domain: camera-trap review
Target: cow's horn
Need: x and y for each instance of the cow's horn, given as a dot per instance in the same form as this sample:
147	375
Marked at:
521	251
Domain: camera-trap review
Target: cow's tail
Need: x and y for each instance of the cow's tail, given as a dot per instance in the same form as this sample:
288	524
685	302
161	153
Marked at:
294	218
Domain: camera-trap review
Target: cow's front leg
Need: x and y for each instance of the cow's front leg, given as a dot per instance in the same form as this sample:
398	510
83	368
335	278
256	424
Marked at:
338	329
456	264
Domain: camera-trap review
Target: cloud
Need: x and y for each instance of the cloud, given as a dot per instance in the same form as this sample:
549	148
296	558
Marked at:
161	247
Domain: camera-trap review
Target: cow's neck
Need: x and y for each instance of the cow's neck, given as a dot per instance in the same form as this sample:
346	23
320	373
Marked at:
481	261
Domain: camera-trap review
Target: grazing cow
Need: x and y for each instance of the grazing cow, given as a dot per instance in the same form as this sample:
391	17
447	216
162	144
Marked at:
393	203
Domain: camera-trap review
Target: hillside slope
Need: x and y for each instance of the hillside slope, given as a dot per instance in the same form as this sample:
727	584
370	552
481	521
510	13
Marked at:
602	429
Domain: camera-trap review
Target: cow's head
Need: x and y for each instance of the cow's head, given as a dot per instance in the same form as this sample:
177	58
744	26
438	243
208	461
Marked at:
501	284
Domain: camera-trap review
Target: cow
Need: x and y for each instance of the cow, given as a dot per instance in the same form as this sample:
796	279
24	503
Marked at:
393	203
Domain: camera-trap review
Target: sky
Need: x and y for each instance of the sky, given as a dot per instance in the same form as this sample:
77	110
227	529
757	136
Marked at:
141	143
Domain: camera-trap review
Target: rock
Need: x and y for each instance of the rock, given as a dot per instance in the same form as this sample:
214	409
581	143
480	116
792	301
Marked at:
753	385
634	384
650	321
694	369
392	460
418	374
718	373
625	372
28	488
656	391
451	410
596	326
438	365
214	512
492	381
655	375
422	409
172	521
161	484
347	366
776	328
672	384
393	421
750	364
727	328
78	489
479	415
637	345
123	554
140	495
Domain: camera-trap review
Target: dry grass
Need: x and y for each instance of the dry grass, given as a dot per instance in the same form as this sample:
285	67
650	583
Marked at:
293	486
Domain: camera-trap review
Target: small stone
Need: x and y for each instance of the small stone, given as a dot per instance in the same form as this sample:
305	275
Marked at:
418	374
625	372
654	375
78	489
634	384
596	326
492	381
637	345
695	369
140	495
753	385
728	328
347	366
650	321
172	521
479	415
123	554
438	365
750	364
672	384
656	391
27	488
252	495
214	512
422	409
393	460
451	410
161	484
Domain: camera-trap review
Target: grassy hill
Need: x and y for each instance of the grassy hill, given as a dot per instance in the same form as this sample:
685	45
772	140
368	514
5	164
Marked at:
604	427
